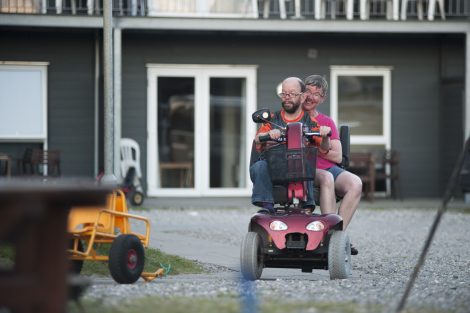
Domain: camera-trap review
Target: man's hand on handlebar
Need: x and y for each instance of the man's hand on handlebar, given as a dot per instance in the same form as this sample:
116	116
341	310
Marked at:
272	135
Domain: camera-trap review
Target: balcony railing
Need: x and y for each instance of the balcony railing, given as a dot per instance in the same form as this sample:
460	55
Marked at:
334	9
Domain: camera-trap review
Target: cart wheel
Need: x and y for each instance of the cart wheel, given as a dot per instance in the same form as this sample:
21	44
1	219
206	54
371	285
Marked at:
137	198
251	257
126	259
339	255
76	265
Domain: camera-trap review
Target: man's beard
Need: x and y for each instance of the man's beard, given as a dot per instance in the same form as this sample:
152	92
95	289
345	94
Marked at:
293	109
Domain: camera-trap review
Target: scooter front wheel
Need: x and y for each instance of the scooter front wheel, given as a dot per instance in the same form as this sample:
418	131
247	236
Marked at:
251	257
339	255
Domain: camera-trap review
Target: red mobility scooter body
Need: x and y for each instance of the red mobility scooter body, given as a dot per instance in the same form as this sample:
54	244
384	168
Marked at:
293	237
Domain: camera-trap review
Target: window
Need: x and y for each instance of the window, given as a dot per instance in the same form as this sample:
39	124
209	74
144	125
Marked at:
23	114
200	129
361	98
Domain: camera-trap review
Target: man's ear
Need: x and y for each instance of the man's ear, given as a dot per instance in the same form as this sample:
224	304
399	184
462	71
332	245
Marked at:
303	97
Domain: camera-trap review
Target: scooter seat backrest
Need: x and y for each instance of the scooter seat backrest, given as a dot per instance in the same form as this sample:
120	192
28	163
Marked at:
344	137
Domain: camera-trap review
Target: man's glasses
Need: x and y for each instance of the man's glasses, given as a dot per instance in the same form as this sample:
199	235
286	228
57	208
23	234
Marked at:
289	95
315	95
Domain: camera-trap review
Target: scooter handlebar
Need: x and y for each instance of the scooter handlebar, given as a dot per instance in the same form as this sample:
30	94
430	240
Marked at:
264	138
316	134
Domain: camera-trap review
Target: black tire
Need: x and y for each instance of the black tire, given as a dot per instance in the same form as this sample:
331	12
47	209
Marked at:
76	265
339	255
251	257
126	259
137	198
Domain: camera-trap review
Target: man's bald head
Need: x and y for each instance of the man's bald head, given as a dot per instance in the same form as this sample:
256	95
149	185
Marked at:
293	82
292	90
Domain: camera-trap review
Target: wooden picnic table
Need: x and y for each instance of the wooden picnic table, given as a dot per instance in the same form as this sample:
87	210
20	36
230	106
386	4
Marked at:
33	220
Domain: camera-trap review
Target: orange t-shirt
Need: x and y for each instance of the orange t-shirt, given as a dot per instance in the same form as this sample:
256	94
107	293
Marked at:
266	127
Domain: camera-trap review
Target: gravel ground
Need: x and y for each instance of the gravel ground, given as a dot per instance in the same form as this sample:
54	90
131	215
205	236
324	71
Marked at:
389	243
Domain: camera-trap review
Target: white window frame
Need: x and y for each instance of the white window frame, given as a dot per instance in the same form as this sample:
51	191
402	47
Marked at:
202	75
384	71
42	68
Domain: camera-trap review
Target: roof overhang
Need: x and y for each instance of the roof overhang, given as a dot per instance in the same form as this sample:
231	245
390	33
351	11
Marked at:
239	25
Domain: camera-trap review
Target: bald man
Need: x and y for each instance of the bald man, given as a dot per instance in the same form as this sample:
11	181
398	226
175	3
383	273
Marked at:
292	99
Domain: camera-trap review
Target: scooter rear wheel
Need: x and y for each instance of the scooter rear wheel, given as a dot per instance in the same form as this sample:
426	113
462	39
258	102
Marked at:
339	255
251	257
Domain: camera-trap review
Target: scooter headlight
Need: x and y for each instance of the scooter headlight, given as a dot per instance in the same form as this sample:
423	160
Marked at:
316	226
278	225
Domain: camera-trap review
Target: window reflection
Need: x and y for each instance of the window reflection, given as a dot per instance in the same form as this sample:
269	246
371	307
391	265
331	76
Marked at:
227	132
176	132
360	104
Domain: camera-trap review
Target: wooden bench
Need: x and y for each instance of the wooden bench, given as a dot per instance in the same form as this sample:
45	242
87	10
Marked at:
34	223
363	165
390	170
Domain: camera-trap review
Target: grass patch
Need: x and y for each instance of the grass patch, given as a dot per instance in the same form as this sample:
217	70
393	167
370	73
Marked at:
6	257
154	259
227	304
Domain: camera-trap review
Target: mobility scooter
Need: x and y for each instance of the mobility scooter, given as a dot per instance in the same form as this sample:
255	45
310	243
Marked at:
294	237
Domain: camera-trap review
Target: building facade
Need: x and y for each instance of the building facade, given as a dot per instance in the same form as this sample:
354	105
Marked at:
188	78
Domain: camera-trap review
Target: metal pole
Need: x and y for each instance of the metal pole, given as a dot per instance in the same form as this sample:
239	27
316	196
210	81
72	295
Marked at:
96	104
466	96
117	102
109	177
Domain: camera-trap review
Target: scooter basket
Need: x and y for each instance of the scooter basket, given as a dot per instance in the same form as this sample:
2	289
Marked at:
291	165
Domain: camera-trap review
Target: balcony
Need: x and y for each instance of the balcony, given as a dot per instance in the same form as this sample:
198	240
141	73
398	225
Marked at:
455	10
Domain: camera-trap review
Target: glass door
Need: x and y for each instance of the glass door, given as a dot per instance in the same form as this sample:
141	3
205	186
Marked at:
199	129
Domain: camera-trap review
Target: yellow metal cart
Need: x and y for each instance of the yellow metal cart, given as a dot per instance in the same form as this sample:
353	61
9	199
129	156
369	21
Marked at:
111	225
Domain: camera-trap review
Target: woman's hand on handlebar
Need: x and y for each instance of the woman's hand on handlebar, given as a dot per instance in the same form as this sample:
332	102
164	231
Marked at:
325	131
